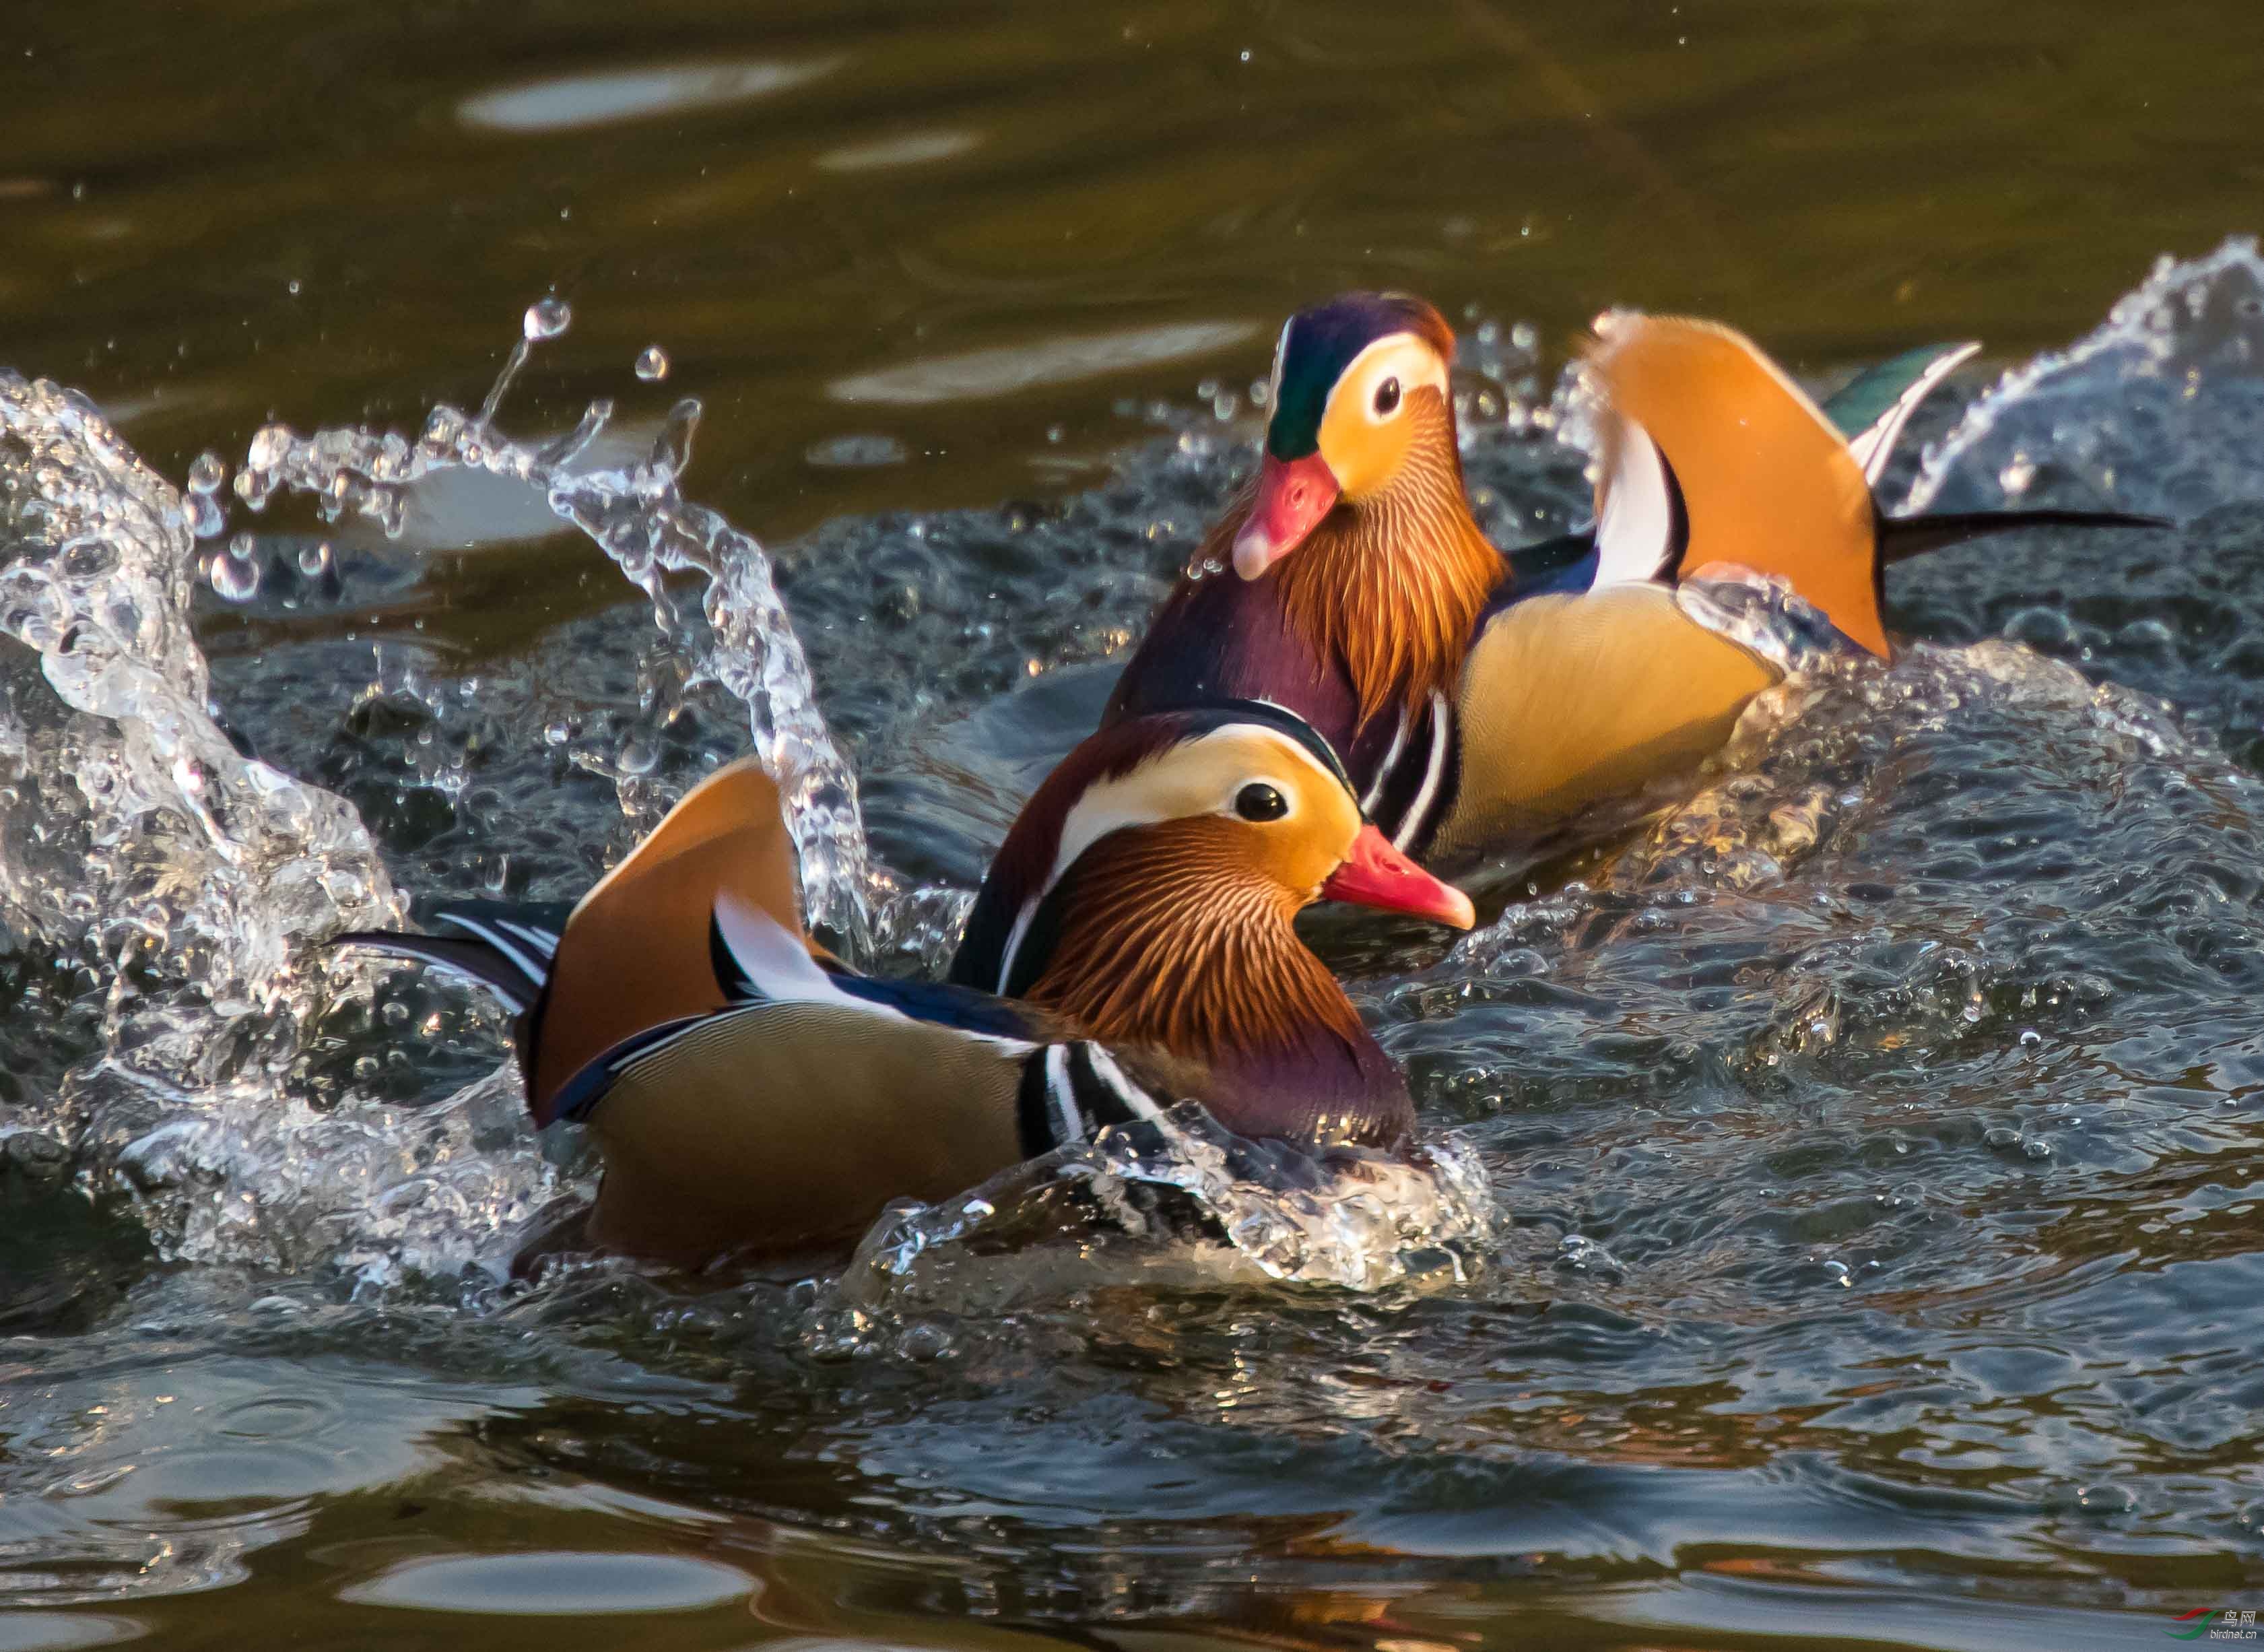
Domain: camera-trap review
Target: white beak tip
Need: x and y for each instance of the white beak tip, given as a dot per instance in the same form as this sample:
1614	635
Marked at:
1254	552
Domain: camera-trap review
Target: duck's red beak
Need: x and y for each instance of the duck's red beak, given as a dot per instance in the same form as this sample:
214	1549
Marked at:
1293	495
1377	874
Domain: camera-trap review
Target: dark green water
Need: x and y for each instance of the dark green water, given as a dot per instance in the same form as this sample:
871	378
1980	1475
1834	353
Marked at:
1878	1136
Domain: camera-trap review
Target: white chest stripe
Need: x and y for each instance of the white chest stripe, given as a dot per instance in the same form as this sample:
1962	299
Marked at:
1419	811
1014	942
1104	1066
1069	1124
1390	762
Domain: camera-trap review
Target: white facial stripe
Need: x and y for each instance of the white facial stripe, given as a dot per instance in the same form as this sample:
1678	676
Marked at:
1400	356
1635	519
1197	777
1274	384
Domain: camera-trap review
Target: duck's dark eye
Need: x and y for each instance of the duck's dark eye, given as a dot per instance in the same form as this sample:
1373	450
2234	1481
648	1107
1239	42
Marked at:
1260	801
1387	398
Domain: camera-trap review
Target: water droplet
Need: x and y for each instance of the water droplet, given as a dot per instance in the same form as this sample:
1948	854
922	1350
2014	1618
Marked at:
269	444
234	578
547	318
315	560
639	757
206	519
2017	475
652	365
207	474
291	286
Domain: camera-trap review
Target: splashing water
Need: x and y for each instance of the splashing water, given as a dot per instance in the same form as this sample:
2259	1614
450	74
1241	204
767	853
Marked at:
2160	410
189	879
203	1104
1345	1218
639	516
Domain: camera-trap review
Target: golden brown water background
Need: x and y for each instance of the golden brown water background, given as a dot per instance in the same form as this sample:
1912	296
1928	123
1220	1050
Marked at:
923	258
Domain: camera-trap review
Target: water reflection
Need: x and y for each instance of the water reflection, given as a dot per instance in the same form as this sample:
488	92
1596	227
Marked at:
913	149
1002	372
552	1583
639	94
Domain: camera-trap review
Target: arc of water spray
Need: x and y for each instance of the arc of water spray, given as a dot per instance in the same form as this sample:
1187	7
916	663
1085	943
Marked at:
638	516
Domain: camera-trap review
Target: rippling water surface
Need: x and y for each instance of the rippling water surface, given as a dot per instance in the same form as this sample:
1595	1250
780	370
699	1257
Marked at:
1840	1218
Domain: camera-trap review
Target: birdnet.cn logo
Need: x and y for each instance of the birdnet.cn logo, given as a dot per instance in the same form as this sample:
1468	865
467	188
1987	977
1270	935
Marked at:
2213	1623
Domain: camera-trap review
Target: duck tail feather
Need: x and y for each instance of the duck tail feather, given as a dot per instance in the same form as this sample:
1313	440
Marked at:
1902	538
503	973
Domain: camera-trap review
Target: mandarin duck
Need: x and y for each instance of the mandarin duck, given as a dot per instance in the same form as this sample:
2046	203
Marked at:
1490	704
1131	948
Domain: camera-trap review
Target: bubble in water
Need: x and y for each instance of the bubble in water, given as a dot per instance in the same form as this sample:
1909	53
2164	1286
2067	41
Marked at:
207	474
547	318
652	365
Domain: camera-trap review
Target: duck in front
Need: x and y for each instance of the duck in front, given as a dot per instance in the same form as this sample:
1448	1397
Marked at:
1131	948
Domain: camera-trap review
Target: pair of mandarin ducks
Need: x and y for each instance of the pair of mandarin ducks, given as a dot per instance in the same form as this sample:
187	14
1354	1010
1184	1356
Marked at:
1373	685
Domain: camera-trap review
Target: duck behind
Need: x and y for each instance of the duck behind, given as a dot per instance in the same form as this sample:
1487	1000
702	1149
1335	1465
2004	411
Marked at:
1487	704
751	1095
